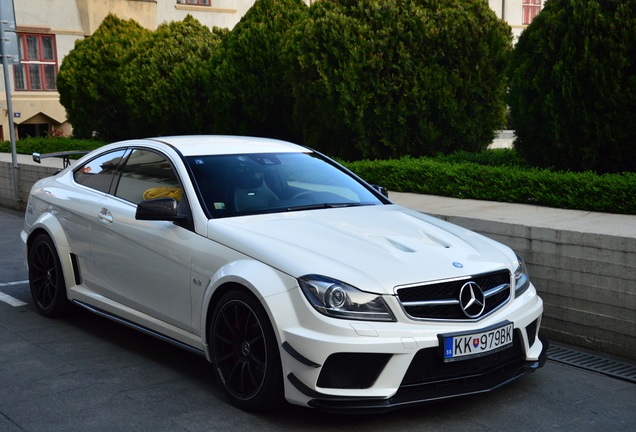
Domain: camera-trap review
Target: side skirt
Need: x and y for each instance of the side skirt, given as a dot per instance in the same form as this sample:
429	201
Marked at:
142	329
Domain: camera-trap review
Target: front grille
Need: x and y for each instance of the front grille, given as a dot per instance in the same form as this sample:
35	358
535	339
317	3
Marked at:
440	300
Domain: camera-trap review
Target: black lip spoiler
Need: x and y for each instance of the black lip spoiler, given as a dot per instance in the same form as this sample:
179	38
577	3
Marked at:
37	157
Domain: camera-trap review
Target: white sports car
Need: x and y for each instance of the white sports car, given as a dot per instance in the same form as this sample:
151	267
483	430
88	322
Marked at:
297	280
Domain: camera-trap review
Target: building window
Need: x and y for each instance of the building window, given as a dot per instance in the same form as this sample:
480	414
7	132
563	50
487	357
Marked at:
531	9
195	2
37	70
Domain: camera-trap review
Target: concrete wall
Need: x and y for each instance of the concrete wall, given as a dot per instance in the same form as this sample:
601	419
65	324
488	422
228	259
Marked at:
27	175
587	282
585	272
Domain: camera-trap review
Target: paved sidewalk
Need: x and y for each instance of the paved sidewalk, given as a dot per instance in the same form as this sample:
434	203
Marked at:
522	214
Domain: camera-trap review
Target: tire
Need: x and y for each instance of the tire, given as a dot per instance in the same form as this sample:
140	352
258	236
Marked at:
245	353
46	279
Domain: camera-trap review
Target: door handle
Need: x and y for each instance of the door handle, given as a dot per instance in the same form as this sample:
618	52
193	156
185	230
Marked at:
105	216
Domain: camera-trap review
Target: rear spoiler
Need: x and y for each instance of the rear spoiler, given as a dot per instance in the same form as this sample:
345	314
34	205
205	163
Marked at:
37	157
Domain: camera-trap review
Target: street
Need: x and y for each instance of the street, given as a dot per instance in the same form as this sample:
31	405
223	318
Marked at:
87	373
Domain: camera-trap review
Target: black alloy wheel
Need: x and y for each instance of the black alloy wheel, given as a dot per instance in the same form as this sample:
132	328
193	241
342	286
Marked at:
245	353
46	279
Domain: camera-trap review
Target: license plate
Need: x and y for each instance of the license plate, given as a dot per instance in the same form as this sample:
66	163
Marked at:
464	346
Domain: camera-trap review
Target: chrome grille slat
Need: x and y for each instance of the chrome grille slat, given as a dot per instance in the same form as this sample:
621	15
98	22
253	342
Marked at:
496	290
431	302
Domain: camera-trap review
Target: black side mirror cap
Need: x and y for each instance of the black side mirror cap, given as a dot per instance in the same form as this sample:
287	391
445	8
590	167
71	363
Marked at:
159	209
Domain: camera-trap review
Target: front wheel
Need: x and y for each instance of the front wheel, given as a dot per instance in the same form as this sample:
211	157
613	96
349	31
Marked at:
245	352
46	279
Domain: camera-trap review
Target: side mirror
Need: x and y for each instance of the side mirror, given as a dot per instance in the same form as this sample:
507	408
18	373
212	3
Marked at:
159	209
381	189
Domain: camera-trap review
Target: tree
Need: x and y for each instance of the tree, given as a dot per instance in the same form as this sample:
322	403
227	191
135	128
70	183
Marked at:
378	79
573	86
89	79
249	91
165	79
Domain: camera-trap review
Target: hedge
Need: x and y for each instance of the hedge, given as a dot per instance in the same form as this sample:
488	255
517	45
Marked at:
609	193
572	89
381	79
493	175
89	80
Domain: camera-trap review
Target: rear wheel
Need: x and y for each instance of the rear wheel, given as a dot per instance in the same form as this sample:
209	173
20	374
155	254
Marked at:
245	352
46	279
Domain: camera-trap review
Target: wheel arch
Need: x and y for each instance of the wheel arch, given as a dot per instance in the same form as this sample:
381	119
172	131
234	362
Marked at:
52	227
214	300
252	277
266	387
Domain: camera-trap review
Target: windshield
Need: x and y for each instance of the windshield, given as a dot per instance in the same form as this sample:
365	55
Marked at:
235	185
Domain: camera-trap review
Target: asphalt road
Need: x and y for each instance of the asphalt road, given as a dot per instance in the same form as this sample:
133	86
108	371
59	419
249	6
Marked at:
88	374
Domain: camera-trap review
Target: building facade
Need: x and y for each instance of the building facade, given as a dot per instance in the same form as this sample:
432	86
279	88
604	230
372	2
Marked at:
517	13
48	29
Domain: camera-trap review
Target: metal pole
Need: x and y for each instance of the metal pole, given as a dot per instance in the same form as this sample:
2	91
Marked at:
7	88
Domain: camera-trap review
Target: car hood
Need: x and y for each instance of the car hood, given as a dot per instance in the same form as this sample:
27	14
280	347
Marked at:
374	248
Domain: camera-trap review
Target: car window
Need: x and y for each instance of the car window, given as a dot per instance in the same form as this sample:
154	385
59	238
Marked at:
147	175
234	185
98	173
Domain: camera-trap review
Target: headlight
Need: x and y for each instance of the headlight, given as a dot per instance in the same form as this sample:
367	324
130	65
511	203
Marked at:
338	300
522	280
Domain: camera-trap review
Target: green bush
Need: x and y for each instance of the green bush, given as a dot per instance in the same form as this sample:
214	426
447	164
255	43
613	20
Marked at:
165	80
611	193
493	157
88	80
32	145
381	79
249	92
573	86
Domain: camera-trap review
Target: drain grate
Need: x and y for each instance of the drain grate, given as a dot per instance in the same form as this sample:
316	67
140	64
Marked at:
603	365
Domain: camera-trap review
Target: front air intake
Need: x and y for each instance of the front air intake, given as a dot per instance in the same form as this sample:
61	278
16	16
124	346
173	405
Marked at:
352	370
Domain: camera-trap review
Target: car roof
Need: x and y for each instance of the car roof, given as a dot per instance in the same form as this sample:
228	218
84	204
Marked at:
198	145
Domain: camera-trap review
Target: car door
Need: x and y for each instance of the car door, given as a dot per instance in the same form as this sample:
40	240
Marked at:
144	265
92	181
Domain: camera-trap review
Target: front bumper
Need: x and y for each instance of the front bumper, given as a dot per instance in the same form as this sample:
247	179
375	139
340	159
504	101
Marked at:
341	366
477	377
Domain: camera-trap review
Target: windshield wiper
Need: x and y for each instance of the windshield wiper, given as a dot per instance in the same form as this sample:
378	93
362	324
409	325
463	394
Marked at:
323	206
